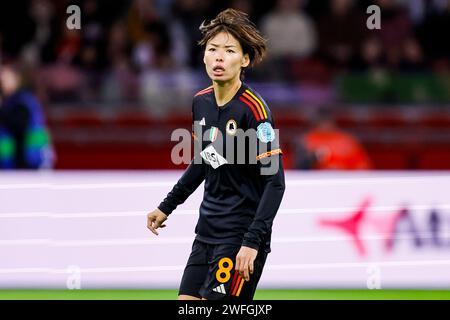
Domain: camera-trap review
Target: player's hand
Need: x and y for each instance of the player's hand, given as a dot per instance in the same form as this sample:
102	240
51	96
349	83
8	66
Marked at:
244	262
156	220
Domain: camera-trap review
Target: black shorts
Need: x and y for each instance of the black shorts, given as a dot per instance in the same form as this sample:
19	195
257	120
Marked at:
210	273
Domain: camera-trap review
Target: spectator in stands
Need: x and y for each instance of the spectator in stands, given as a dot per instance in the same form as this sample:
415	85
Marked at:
188	13
396	26
121	82
291	34
91	58
371	56
163	87
40	46
430	33
289	30
62	80
325	146
243	5
341	31
412	57
24	138
152	46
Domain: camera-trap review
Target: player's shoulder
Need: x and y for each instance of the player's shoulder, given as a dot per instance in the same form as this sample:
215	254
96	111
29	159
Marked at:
204	93
203	98
256	106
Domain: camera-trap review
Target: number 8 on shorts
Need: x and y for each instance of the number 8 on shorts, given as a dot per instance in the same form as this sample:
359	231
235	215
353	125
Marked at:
223	274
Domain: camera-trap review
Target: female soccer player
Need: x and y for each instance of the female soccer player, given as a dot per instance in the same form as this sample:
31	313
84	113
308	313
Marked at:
240	199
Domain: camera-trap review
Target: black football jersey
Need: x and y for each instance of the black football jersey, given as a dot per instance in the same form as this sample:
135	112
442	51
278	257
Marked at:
237	154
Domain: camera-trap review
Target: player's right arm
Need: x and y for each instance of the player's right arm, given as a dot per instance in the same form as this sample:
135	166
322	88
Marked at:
156	220
186	185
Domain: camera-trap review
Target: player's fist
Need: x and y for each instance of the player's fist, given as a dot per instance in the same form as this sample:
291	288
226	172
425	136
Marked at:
156	220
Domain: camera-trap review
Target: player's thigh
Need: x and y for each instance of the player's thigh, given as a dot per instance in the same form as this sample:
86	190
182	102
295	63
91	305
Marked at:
195	272
187	297
220	273
223	282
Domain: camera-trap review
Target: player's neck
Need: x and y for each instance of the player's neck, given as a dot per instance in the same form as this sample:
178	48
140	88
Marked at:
225	91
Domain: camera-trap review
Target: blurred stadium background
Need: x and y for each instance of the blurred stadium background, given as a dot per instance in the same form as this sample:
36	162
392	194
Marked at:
113	92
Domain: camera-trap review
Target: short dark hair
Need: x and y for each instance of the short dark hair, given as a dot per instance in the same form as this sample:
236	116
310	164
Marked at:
237	24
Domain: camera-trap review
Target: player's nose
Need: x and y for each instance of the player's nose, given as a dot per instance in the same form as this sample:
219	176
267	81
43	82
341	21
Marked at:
219	56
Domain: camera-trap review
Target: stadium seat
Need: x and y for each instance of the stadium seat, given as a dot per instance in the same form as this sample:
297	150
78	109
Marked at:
133	118
83	118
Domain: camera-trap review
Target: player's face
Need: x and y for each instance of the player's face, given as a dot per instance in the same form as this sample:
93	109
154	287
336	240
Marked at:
224	58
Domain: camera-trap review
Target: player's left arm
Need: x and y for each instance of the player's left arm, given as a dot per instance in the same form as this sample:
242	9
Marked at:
272	175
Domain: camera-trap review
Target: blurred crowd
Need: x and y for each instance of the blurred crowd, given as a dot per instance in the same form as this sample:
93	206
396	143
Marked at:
146	52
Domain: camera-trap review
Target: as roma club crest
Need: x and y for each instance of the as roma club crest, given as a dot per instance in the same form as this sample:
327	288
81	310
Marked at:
231	127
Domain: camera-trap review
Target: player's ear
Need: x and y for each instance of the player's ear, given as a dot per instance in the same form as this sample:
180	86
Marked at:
245	60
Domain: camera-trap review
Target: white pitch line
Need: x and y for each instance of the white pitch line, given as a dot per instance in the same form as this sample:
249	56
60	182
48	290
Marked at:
93	243
14	186
130	242
125	269
93	270
23	242
355	180
114	185
141	214
183	212
413	263
307	182
269	267
387	209
119	242
25	215
189	240
76	186
76	215
24	270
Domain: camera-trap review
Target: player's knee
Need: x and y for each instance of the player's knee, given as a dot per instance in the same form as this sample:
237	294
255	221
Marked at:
187	297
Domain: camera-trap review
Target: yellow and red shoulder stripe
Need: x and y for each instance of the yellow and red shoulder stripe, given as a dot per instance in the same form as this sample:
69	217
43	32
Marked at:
255	104
204	91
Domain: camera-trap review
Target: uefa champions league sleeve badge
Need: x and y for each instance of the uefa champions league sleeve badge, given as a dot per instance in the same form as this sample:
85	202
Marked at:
265	132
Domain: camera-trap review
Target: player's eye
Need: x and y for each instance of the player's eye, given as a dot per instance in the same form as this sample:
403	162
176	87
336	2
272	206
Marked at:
230	51
212	49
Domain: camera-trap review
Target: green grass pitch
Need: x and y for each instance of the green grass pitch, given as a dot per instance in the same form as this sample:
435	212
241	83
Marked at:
262	294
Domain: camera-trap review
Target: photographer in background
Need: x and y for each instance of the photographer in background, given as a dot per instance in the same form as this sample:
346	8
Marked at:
327	147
